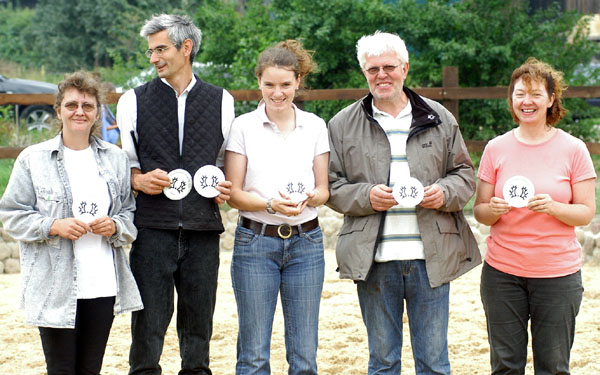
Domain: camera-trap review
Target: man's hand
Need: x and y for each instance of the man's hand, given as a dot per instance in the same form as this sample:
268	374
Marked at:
151	183
381	198
224	188
69	228
433	197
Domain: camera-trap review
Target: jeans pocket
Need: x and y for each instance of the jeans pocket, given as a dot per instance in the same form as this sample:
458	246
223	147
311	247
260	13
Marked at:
315	235
244	236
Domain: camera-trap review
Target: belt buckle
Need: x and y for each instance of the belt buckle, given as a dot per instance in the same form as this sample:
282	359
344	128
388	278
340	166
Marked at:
289	231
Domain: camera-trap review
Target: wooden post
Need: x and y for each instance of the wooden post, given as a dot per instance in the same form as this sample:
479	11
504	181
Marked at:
450	79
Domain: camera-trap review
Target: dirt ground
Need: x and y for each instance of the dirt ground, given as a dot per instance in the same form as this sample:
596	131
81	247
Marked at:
342	343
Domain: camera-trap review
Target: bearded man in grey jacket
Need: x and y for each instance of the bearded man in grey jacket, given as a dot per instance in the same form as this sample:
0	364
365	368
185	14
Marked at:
396	253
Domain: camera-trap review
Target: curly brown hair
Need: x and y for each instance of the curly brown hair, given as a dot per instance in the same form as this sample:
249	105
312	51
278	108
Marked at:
289	54
538	71
84	82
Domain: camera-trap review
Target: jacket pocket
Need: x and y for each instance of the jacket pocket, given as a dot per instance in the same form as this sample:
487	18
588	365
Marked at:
353	224
354	250
48	202
450	245
447	225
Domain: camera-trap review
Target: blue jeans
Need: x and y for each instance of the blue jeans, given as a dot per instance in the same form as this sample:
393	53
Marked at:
261	268
550	303
381	299
161	261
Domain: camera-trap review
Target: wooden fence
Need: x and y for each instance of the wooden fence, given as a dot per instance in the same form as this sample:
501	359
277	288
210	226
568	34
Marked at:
450	94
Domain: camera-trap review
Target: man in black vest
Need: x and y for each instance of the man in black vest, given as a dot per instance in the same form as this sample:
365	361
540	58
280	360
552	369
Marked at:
175	121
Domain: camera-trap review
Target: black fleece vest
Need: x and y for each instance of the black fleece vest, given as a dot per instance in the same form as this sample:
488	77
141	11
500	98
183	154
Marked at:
158	147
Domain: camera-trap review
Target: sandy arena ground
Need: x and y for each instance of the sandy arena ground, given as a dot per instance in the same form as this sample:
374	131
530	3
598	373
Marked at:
342	345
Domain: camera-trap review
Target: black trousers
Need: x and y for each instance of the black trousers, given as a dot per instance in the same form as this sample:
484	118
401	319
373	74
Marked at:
550	304
80	351
163	261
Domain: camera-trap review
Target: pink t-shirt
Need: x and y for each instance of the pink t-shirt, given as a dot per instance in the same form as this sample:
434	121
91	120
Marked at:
522	242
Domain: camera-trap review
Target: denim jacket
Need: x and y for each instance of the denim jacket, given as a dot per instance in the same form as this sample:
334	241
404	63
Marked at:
38	193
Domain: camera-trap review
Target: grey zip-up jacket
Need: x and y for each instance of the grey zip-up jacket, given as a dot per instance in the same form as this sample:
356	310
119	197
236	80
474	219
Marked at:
360	159
38	193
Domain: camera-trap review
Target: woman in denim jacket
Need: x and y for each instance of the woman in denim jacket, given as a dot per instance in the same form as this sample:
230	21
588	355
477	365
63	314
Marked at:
69	204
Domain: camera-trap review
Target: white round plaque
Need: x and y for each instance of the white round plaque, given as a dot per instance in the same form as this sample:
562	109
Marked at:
517	191
181	184
408	192
206	180
295	190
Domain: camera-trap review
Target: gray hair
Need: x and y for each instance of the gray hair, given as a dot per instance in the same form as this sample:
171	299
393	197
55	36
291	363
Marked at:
179	29
378	44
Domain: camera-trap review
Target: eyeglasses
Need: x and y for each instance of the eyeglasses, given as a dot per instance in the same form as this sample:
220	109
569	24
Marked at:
386	68
158	50
87	107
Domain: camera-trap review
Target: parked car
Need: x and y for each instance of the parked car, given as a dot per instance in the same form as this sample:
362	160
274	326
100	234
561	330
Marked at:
34	117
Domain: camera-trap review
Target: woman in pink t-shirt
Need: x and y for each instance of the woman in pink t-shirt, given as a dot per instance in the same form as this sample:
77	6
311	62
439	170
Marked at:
532	268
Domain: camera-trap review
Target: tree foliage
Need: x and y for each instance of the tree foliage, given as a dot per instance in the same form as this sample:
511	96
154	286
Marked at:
76	35
65	35
486	39
16	36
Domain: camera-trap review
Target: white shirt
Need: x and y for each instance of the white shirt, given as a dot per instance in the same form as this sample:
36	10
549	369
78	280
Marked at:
93	255
274	161
401	239
127	120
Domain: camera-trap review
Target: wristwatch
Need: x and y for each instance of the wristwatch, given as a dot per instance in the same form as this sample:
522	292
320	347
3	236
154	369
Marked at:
269	208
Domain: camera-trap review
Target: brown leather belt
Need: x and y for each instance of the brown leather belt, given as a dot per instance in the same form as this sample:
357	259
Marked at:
284	231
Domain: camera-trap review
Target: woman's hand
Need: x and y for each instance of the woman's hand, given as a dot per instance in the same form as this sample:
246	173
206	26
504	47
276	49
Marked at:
488	208
69	228
104	226
224	188
499	206
579	212
288	207
541	203
316	198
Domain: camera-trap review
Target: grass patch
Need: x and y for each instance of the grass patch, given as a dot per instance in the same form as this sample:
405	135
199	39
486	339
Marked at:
10	69
6	166
9	137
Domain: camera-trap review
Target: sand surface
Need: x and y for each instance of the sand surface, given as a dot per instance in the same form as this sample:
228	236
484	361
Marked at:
342	336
